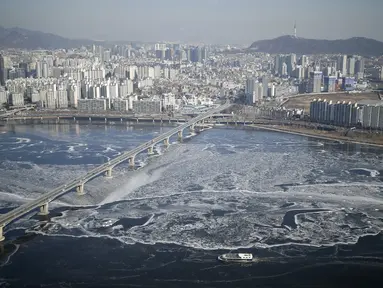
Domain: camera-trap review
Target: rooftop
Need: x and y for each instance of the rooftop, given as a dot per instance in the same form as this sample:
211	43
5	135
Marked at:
371	102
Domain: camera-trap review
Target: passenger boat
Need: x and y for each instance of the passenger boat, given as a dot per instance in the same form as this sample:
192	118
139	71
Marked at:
236	257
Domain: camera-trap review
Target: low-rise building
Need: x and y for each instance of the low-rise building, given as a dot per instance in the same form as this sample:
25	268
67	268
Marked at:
92	105
16	99
3	97
147	107
121	105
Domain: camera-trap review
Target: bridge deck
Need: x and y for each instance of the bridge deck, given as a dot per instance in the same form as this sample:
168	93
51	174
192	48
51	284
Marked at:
50	196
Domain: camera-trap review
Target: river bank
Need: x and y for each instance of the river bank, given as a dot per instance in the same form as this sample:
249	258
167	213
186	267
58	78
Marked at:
376	141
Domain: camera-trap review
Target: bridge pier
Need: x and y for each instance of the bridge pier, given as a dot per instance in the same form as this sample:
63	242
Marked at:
151	150
180	135
1	233
80	189
108	173
166	142
44	210
192	128
131	161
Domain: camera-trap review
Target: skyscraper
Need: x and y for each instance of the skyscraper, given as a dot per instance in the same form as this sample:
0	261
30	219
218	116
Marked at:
342	64
351	66
304	61
265	85
195	54
329	83
291	61
359	67
276	64
204	53
315	82
2	71
253	90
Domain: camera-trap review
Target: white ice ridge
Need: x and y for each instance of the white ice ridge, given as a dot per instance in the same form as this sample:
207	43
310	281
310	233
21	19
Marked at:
8	257
23	140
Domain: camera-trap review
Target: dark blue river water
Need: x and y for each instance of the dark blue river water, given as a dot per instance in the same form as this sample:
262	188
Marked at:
309	210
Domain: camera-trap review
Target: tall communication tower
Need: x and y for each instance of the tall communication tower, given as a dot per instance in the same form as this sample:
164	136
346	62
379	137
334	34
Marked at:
295	29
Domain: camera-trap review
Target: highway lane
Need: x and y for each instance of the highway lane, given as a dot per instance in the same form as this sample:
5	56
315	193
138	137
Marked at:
62	189
5	115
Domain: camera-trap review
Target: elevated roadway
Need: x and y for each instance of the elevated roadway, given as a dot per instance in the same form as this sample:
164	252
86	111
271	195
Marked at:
78	183
15	111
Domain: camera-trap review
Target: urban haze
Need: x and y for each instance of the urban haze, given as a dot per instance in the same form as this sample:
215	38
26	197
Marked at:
209	21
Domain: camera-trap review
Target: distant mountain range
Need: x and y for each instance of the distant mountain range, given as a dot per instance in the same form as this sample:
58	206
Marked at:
27	39
290	44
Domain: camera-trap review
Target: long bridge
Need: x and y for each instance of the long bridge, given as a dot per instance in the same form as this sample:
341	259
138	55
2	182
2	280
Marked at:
43	201
108	117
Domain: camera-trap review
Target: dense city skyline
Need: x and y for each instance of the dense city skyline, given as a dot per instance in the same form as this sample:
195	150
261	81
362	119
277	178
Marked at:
207	21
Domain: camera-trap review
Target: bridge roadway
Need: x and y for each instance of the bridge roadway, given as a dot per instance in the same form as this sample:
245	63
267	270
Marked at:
106	168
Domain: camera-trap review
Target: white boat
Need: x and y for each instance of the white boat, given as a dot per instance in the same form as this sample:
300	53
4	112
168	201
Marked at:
236	257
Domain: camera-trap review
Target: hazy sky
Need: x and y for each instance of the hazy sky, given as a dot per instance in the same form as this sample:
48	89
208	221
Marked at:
211	21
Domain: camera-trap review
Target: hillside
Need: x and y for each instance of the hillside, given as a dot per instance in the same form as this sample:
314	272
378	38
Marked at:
27	39
291	44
